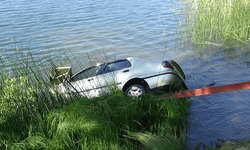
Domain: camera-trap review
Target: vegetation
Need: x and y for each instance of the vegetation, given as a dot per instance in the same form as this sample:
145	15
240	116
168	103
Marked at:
221	23
213	25
34	116
225	145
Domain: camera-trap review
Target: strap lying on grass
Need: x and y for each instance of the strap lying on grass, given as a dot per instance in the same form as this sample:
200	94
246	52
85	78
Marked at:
212	90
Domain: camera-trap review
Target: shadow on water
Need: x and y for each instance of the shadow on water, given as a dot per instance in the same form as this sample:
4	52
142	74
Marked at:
223	115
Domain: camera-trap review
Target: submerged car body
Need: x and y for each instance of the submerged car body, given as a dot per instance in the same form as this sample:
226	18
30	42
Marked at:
133	76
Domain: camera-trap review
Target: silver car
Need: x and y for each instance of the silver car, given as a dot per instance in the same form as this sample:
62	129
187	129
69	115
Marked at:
133	76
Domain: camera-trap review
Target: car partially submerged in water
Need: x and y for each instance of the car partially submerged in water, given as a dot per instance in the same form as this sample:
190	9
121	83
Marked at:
133	76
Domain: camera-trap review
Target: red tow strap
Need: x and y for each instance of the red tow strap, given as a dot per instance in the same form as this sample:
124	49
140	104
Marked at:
212	90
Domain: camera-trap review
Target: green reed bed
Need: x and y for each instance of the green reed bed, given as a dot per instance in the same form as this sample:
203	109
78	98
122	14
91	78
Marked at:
111	122
213	22
32	116
25	98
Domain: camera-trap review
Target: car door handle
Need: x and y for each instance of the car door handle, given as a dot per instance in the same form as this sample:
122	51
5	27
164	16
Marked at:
90	79
126	71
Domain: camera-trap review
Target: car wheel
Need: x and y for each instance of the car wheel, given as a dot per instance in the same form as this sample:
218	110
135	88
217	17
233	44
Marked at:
135	90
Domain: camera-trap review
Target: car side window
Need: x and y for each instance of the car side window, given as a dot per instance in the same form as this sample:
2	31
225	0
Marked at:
90	72
100	69
117	66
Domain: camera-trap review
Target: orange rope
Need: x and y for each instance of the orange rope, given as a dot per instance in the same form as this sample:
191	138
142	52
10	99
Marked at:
212	90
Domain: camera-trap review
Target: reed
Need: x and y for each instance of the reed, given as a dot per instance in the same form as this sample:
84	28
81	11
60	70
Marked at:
110	122
221	23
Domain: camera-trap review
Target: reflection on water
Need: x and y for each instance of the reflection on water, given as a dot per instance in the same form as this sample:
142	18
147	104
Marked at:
223	115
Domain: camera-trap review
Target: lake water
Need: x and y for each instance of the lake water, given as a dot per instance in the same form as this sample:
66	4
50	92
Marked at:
222	115
73	32
90	29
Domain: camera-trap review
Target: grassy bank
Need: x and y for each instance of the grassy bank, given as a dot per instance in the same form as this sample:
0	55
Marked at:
221	23
225	145
110	122
32	117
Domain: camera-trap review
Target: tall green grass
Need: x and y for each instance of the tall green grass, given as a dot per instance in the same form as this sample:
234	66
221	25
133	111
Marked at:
111	122
25	96
33	116
220	23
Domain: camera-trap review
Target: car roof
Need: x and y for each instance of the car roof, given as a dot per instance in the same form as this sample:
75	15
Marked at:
118	60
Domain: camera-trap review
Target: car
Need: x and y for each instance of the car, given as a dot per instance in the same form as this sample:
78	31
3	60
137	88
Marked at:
133	76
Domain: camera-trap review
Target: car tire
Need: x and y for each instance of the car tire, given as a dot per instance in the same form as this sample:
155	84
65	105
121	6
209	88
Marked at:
135	90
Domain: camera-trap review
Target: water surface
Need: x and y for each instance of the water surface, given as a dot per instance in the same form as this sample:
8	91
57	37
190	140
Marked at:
90	29
222	115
